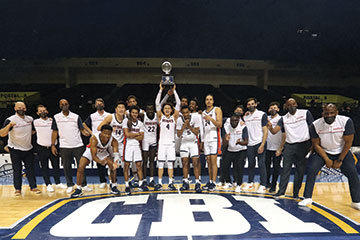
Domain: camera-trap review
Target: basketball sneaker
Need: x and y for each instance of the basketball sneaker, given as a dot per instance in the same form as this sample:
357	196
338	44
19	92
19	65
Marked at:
158	187
171	187
185	186
127	190
355	205
77	193
238	189
115	191
206	187
248	187
212	187
144	187
306	201
49	188
102	185
152	183
261	189
198	187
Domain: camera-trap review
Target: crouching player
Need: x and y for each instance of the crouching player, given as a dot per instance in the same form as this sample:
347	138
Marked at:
102	145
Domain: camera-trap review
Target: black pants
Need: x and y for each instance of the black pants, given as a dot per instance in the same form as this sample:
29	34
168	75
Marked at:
347	167
222	168
102	171
67	157
294	154
44	154
251	154
238	160
270	157
17	157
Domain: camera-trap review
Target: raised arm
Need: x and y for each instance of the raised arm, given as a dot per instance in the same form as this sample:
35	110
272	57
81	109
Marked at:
157	102
178	103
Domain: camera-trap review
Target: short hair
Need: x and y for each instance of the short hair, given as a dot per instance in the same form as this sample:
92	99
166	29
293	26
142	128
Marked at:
195	100
185	97
38	106
235	115
131	96
274	103
100	100
120	102
185	107
251	99
240	106
209	94
106	127
134	107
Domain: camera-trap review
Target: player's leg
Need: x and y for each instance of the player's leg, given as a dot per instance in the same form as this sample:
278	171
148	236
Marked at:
112	169
171	157
126	175
161	162
80	172
194	154
268	159
152	153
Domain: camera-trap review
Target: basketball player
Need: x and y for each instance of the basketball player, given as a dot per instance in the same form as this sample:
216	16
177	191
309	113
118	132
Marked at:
93	122
212	120
115	120
149	144
134	133
188	128
167	117
102	145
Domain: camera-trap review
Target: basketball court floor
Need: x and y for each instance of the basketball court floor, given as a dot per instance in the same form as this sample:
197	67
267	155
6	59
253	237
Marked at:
222	214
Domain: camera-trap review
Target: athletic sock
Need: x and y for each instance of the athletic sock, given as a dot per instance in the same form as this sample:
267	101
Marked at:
160	180
140	182
126	183
151	179
171	180
197	180
79	187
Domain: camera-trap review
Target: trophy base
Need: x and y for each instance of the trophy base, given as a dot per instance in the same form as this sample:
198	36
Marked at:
167	80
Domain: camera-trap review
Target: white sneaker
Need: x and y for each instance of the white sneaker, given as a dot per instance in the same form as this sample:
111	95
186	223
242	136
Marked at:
261	189
248	187
238	189
61	186
306	201
355	205
49	188
87	189
227	185
69	190
102	185
234	184
219	184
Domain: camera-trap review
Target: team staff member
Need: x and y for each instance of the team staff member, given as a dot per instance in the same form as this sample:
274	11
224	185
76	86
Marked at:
274	146
332	137
42	126
295	124
68	126
236	139
93	122
19	129
256	121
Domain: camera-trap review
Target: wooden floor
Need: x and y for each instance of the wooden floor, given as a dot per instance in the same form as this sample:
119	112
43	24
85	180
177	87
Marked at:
335	196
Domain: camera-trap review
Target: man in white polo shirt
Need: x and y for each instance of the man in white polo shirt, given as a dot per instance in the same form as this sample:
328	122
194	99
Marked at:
42	126
332	137
297	144
93	122
68	125
256	121
19	129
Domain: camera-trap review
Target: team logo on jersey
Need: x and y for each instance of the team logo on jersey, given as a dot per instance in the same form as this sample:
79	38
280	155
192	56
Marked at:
170	215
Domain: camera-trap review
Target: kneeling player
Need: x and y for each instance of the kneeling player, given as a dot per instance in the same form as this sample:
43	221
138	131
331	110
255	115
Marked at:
188	128
101	147
134	133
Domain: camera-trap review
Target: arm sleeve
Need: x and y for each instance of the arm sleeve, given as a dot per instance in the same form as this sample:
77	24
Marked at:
309	118
157	101
164	100
281	124
178	102
264	120
313	133
88	122
349	127
80	125
54	125
245	134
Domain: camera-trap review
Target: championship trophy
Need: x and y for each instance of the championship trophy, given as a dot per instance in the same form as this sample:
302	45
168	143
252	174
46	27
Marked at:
167	79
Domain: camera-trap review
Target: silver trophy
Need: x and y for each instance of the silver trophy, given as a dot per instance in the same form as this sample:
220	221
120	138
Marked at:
167	79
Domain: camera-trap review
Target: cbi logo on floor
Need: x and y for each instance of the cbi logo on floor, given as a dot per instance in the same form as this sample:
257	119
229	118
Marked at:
170	215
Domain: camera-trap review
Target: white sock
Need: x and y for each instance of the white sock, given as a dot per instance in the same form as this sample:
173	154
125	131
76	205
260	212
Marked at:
160	180
151	179
197	180
140	182
171	180
126	183
79	187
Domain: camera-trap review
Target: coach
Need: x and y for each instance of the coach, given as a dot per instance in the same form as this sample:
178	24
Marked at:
68	125
295	124
19	129
332	136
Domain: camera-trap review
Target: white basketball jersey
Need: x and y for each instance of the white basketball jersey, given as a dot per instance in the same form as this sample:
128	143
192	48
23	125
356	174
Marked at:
188	135
167	130
118	132
102	150
210	130
150	128
136	127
